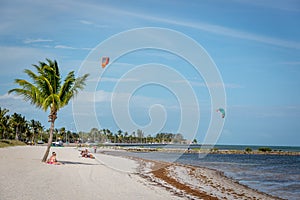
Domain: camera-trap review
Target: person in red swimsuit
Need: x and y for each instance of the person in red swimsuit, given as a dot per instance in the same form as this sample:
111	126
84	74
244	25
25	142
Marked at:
53	160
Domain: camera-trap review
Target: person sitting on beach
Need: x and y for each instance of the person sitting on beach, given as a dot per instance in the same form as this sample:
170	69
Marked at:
53	160
86	154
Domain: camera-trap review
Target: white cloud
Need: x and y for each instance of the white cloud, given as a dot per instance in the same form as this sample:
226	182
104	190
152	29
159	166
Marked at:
90	23
101	96
23	57
91	10
7	96
87	49
109	79
71	48
29	41
214	28
112	80
222	30
94	97
64	47
15	103
202	84
86	22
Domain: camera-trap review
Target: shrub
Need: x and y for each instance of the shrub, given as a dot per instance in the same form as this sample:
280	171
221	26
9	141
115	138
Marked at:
7	143
264	149
248	149
214	149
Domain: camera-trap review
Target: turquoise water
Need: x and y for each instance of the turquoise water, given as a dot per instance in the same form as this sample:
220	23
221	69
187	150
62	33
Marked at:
278	175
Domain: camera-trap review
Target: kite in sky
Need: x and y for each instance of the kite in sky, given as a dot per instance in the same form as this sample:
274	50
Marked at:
222	111
105	61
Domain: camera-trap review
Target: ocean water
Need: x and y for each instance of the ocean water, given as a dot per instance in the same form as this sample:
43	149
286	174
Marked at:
220	147
278	175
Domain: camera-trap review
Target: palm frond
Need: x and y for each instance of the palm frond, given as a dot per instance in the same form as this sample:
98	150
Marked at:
46	91
67	85
77	84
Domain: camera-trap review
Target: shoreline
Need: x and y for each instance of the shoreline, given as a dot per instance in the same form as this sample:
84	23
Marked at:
196	182
208	151
194	148
210	188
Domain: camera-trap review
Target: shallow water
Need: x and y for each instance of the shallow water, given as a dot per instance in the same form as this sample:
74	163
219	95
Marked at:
278	175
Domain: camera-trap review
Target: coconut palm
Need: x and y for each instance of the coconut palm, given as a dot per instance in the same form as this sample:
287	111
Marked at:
3	121
46	91
18	123
35	127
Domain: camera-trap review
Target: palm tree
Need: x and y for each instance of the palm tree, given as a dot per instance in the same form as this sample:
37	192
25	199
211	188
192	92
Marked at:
120	136
3	121
17	122
33	129
46	91
93	134
4	126
62	132
140	134
40	129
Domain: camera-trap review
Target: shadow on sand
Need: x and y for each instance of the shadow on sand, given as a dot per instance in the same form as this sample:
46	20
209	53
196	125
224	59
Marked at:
76	163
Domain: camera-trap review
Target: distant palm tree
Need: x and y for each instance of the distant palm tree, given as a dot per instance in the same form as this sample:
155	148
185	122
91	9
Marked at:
62	133
5	126
18	123
3	121
34	127
3	112
46	91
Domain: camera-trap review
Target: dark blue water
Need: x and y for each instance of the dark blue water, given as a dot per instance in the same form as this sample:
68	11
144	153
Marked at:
278	175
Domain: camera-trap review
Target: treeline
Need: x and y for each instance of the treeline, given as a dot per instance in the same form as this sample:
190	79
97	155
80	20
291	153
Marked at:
17	127
106	136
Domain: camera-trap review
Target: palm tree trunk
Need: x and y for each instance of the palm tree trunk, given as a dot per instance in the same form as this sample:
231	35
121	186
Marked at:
49	141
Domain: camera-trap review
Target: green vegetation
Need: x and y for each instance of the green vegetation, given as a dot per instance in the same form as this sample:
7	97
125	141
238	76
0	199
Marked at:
264	149
214	149
29	131
32	131
46	91
248	149
107	136
16	127
8	143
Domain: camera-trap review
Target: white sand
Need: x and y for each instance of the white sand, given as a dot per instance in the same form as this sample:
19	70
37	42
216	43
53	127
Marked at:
24	176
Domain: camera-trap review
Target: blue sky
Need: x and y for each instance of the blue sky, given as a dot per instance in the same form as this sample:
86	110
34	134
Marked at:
254	44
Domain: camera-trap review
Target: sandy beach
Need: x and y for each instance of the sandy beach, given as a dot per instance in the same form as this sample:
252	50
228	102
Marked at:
24	176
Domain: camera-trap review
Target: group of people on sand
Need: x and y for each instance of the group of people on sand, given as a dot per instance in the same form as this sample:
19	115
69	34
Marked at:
86	154
53	160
